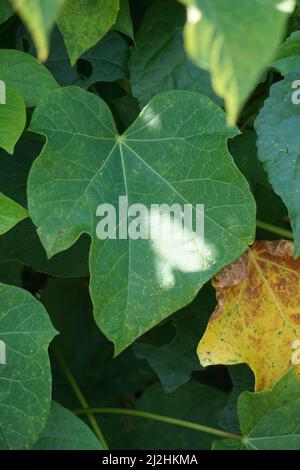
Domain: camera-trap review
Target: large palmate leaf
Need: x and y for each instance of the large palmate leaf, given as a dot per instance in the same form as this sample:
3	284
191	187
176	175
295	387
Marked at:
10	213
175	152
64	431
39	17
235	41
158	61
83	23
269	420
25	376
26	75
257	319
12	119
22	242
278	146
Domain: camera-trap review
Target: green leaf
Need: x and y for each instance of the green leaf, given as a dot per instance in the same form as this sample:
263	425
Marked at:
194	401
177	359
25	377
26	75
158	61
83	24
270	207
10	273
64	431
103	379
242	379
12	119
22	242
288	56
278	148
6	11
39	17
123	22
269	420
10	213
86	160
107	60
235	41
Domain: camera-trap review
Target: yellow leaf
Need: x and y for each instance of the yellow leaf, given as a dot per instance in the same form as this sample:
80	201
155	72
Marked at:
257	320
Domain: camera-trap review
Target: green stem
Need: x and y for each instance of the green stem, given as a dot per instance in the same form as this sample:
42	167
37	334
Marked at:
81	398
162	419
274	229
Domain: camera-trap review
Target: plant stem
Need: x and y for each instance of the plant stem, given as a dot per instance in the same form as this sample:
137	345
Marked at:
274	229
81	398
163	419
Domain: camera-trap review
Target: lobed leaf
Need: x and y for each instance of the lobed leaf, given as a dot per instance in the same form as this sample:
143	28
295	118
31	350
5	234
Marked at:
172	154
256	320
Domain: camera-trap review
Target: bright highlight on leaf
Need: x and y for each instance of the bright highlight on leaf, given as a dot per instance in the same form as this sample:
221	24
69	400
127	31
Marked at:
39	17
175	152
84	22
219	37
12	119
257	319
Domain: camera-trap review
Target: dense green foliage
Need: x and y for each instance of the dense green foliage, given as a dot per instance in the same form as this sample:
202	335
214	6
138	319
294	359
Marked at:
166	102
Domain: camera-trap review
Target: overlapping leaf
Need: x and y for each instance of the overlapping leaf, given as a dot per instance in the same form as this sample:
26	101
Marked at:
22	243
12	119
84	23
235	41
39	17
64	431
26	75
257	319
10	213
107	59
269	420
158	61
175	152
278	145
25	376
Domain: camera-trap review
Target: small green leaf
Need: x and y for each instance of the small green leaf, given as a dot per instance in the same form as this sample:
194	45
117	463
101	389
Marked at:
12	119
64	431
10	213
123	22
83	24
25	376
235	41
85	163
269	420
39	17
158	60
26	75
